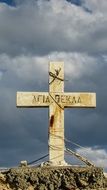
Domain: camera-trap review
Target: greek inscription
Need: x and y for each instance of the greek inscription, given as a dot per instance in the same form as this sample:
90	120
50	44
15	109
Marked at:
79	100
47	99
39	98
63	100
68	99
57	98
43	98
74	100
34	99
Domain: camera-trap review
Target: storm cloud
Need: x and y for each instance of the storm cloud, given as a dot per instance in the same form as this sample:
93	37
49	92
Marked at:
32	34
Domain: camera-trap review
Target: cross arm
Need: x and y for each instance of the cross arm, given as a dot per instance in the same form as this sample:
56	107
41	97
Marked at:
44	99
32	99
77	99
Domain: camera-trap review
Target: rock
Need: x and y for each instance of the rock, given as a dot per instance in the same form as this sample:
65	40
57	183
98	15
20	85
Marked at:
2	177
83	183
51	186
54	178
23	163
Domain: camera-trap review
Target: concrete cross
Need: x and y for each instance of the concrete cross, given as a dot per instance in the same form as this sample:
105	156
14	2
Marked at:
56	99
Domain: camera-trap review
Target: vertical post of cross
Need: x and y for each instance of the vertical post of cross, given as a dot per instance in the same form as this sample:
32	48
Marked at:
56	114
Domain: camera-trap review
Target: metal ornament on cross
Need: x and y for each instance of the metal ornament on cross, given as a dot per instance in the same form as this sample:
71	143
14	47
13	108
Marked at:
56	99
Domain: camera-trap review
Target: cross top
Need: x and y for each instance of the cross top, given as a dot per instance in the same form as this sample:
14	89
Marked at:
56	99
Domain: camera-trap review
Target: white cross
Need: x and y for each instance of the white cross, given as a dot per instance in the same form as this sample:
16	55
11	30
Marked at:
56	99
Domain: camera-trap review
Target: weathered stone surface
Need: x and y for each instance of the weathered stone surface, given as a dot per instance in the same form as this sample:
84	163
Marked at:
55	178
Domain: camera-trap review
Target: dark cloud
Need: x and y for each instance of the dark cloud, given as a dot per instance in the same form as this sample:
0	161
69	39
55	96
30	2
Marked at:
41	27
31	35
23	131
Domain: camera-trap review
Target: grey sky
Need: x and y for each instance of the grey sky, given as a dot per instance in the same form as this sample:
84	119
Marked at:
31	35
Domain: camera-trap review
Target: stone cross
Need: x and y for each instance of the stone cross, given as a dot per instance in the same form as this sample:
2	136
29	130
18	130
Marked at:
56	99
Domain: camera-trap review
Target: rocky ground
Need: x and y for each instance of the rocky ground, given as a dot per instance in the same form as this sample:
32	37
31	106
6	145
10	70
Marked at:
53	178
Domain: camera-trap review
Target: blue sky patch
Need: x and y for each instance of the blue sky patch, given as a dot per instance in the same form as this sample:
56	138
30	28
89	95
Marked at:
76	2
9	2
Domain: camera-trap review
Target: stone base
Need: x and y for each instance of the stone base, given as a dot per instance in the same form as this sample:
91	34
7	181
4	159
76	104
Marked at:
54	164
56	178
